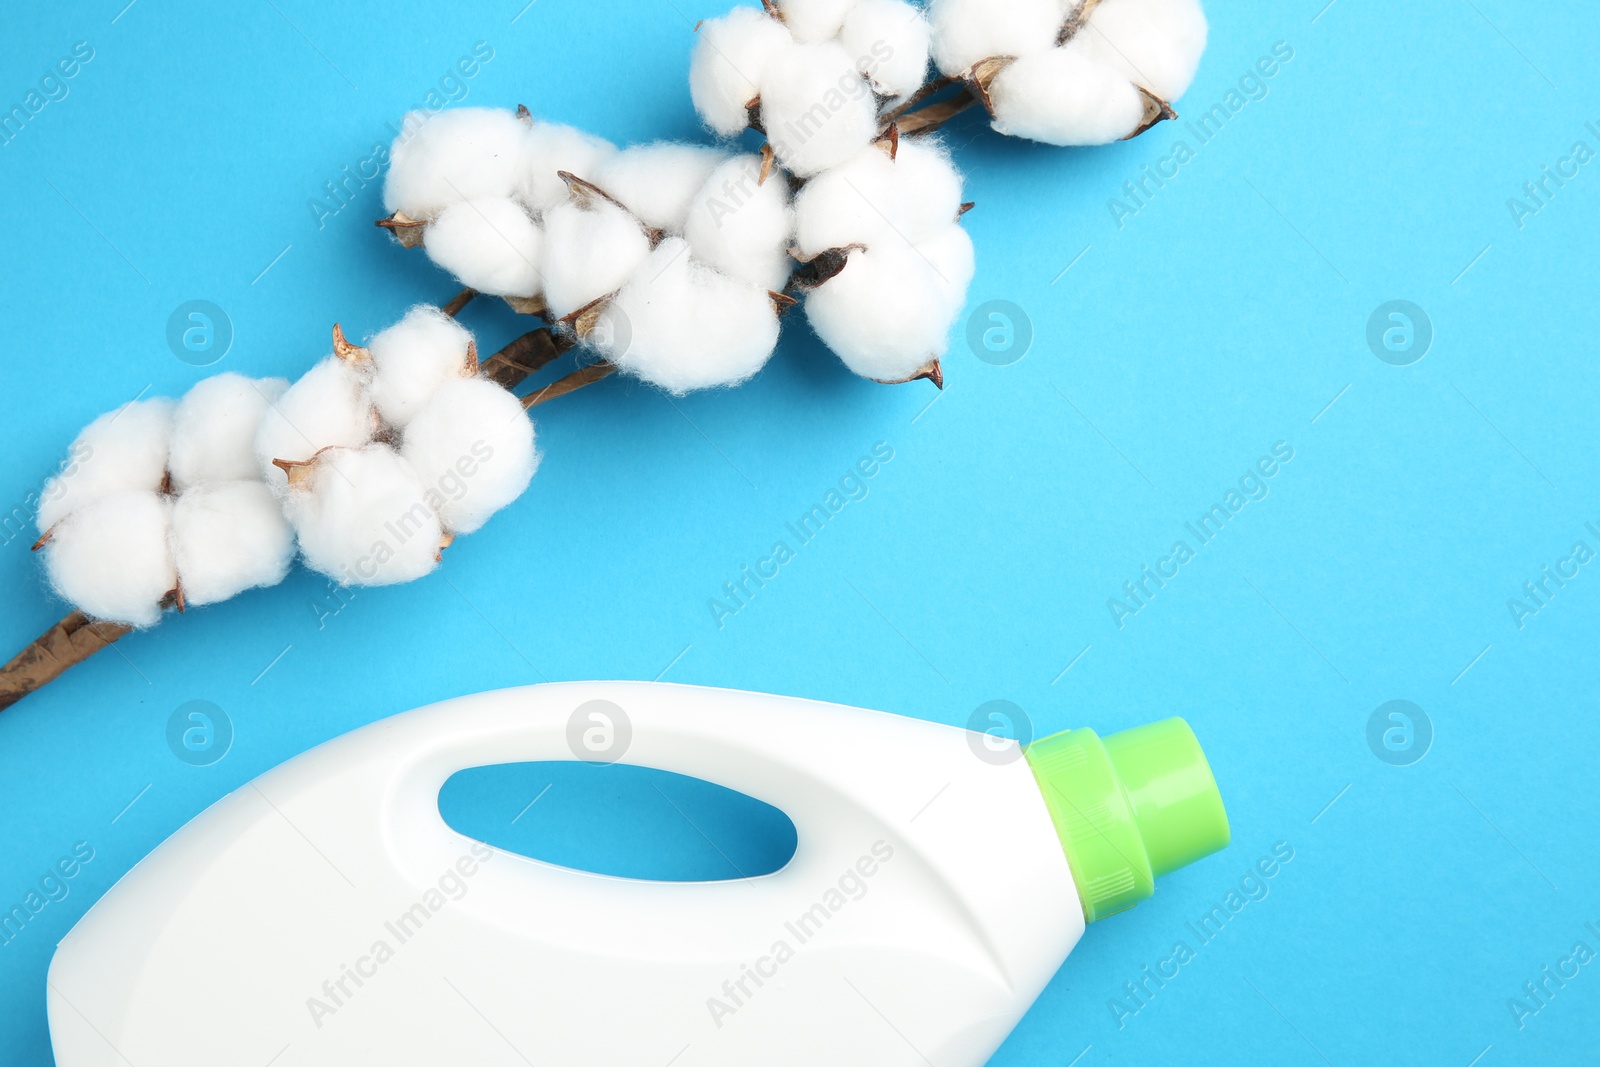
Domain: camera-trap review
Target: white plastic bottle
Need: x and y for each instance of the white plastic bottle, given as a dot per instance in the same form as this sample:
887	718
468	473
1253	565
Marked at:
326	914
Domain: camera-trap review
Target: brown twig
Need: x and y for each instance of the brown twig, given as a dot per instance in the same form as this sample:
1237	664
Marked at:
461	300
910	102
930	118
528	354
66	644
579	378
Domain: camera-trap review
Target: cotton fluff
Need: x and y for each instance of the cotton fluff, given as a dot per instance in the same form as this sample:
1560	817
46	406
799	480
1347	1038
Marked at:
454	155
591	247
328	406
489	244
816	108
814	20
872	198
1155	43
1066	96
553	148
889	311
966	32
681	325
658	181
730	60
121	450
214	429
412	358
112	558
361	517
228	537
473	449
890	40
741	226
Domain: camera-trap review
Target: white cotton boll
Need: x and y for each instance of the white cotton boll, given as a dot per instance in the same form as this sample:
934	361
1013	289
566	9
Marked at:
816	108
730	60
362	518
681	325
886	314
1156	43
122	449
412	358
112	559
658	181
870	198
741	226
890	40
966	32
329	406
950	253
489	244
553	148
454	155
214	428
814	20
228	537
1066	96
473	449
590	249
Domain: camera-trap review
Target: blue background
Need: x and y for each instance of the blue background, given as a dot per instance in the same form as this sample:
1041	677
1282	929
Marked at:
1227	314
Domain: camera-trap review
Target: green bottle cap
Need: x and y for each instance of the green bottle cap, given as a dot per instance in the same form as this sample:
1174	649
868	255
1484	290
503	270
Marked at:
1128	808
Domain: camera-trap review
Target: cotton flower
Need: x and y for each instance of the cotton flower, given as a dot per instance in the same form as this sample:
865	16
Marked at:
489	244
329	406
682	325
553	148
888	313
871	198
412	359
890	41
814	20
214	429
228	537
591	247
730	59
1066	96
816	108
741	225
455	155
121	450
361	516
112	558
657	182
473	449
966	32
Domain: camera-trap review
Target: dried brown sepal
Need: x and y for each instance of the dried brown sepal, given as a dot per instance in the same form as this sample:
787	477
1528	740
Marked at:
964	208
528	305
781	302
768	159
771	8
44	539
406	230
174	598
752	115
166	483
527	355
890	141
582	321
346	351
445	542
471	366
937	85
932	371
584	193
524	114
579	378
459	301
1076	21
299	472
983	74
821	268
1155	110
66	644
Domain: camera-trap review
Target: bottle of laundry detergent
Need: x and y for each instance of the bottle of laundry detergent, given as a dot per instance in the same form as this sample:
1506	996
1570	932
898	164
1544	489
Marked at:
326	914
